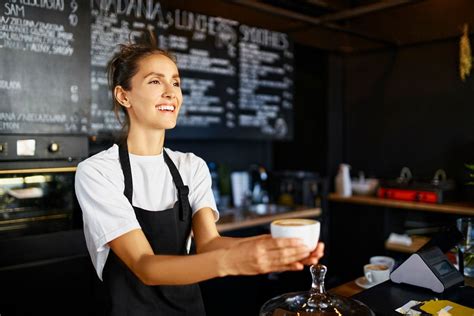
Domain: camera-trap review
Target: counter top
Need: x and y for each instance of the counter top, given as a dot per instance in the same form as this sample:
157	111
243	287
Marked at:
239	218
351	288
461	208
387	296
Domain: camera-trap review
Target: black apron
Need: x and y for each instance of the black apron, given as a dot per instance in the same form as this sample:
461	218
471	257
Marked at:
167	232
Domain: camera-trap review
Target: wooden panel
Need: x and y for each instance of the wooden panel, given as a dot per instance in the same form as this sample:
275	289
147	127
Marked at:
417	243
450	208
251	219
347	289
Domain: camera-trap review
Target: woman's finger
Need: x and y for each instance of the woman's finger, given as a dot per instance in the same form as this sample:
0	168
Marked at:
278	243
288	255
310	261
295	266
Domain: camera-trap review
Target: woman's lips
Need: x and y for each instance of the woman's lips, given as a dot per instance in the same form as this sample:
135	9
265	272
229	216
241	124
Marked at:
166	107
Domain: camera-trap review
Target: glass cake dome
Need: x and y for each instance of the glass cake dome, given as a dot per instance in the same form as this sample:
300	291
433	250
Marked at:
315	301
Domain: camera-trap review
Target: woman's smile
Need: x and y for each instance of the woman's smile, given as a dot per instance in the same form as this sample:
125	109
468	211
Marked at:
165	107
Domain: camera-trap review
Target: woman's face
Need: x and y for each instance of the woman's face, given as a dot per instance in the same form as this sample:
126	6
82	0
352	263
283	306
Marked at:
155	96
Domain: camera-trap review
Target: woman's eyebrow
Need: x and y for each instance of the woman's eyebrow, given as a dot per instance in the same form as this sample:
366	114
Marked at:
157	74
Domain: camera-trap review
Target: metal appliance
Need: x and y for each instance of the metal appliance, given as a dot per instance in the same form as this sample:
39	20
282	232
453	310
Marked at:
37	183
299	188
438	190
42	244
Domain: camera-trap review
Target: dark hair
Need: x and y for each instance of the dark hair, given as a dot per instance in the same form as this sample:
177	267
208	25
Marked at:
124	65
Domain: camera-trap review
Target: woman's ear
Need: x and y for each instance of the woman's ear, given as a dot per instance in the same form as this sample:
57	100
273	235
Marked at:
120	95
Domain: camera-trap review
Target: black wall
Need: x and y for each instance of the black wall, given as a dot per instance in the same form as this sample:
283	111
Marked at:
408	107
386	110
308	149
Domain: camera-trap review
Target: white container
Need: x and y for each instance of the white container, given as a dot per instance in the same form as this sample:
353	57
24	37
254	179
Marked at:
343	181
240	181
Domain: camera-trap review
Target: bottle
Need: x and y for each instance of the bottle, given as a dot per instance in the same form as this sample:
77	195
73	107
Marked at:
343	181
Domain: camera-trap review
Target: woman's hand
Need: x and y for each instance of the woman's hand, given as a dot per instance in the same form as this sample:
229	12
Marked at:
264	254
315	255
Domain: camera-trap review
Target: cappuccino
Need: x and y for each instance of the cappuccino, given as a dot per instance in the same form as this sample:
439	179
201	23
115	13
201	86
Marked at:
306	229
294	222
376	273
377	267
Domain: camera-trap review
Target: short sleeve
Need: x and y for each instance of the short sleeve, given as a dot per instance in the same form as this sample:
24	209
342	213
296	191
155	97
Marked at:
200	194
107	214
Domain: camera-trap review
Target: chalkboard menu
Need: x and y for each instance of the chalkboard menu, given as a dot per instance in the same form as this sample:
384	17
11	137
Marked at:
44	67
237	80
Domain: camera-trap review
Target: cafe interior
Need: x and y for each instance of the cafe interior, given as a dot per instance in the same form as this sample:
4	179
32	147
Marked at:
355	113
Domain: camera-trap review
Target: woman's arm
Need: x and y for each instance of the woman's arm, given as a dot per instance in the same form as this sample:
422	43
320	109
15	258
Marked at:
239	257
135	251
207	237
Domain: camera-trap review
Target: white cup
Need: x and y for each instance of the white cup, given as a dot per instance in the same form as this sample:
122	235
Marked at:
376	273
388	261
306	229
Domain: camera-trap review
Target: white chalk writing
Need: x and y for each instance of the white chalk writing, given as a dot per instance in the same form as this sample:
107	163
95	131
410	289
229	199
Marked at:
35	36
10	85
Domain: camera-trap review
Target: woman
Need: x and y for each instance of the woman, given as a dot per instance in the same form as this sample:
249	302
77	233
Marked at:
142	201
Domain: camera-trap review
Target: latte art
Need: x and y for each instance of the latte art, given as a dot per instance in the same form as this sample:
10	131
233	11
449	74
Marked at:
294	222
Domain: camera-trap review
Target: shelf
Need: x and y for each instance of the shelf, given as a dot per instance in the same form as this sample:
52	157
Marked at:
347	289
417	243
243	219
450	208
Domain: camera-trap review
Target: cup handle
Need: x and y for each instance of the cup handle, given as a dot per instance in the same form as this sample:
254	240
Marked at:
368	276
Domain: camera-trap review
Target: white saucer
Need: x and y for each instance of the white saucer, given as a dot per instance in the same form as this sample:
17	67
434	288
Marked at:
363	283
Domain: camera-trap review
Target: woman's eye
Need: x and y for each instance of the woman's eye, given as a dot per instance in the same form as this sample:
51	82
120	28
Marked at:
176	84
155	82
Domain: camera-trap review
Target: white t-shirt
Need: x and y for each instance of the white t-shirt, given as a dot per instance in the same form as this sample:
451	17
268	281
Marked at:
107	214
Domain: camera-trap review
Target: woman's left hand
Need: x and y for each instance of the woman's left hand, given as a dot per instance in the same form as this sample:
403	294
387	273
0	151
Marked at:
315	255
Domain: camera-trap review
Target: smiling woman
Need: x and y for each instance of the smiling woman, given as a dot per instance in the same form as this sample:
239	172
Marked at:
140	202
154	98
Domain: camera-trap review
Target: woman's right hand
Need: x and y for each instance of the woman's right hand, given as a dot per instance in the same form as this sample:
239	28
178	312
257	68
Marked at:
264	254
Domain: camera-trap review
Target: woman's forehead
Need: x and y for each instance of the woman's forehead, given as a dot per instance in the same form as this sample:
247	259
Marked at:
158	63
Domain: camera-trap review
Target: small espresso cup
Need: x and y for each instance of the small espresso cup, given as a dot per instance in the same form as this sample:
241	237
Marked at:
376	273
306	229
388	261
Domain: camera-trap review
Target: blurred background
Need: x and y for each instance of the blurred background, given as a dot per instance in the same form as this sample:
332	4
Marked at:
357	113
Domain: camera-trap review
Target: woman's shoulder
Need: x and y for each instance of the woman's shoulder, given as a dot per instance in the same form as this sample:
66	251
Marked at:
104	161
184	158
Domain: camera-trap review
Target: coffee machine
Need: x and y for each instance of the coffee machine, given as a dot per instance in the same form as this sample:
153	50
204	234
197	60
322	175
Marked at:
299	188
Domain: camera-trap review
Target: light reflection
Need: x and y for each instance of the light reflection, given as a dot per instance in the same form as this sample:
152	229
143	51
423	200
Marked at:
11	181
37	179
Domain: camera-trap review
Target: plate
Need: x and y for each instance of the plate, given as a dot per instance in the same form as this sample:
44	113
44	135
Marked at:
363	283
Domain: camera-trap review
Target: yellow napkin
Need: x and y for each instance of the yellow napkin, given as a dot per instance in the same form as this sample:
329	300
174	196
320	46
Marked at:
445	308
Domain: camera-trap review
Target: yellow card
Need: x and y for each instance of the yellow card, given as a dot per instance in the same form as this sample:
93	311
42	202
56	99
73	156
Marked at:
446	308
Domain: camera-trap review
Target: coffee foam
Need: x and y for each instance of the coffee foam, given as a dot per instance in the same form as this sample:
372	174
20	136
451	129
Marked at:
378	267
294	222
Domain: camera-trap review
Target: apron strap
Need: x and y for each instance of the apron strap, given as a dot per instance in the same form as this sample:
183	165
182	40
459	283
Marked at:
127	171
183	190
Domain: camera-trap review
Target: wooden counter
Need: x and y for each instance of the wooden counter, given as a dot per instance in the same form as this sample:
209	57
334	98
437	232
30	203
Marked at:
239	219
351	288
449	208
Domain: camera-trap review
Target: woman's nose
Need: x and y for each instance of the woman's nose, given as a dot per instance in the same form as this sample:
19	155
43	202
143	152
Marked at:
168	93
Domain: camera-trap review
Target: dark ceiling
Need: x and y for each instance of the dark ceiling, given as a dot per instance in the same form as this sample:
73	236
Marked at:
346	25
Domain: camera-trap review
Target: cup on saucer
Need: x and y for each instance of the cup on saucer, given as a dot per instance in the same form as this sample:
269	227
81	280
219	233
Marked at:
376	273
388	261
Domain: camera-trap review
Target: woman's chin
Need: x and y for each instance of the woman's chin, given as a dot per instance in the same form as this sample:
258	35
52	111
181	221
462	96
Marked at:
169	125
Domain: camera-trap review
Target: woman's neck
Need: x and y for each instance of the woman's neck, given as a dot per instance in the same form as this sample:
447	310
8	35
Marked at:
145	143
